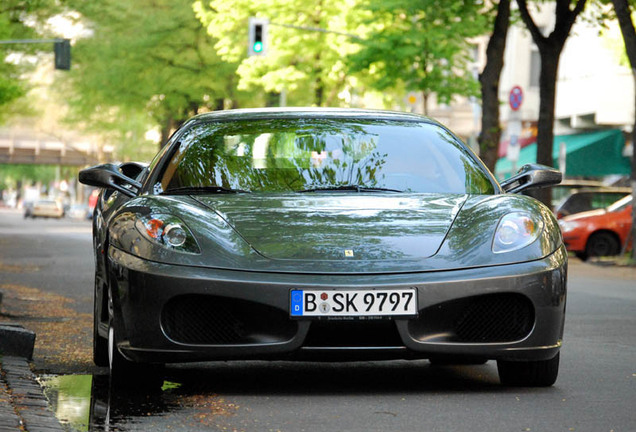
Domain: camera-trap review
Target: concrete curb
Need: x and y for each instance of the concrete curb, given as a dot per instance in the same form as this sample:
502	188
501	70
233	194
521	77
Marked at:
23	406
16	341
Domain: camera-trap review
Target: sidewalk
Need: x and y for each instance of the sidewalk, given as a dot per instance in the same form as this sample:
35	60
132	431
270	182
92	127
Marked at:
23	406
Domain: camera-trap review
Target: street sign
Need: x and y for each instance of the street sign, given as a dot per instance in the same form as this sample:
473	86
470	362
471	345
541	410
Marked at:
516	98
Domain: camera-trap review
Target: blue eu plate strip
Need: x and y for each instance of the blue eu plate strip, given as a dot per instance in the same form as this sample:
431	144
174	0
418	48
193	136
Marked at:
296	303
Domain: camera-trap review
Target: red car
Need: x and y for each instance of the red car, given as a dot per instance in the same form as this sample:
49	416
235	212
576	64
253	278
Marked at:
600	232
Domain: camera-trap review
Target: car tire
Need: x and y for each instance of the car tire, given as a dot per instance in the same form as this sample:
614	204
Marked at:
538	373
602	244
125	373
581	255
100	344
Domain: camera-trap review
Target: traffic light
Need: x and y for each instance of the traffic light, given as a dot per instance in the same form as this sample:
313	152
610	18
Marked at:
257	36
62	49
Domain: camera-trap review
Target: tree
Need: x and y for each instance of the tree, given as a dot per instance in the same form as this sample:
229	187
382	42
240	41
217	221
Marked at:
624	13
152	59
423	45
550	48
13	15
489	79
301	61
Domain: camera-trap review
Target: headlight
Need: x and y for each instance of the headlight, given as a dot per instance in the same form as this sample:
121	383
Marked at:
167	231
567	226
516	230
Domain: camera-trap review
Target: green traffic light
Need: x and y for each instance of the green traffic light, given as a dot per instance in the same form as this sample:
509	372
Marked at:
258	47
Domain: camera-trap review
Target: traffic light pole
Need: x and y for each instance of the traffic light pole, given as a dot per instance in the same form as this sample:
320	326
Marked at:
61	47
316	29
258	38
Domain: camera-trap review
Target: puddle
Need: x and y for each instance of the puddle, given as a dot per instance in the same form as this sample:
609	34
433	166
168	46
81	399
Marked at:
89	403
70	398
85	403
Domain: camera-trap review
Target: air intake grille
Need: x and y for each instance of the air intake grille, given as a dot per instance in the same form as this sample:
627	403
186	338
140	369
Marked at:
212	320
495	318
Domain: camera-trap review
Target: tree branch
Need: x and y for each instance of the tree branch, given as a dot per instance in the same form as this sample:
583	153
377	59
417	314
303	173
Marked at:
624	13
565	18
538	38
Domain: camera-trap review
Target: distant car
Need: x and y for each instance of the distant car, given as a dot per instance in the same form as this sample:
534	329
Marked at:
44	208
569	186
79	211
598	232
590	199
324	234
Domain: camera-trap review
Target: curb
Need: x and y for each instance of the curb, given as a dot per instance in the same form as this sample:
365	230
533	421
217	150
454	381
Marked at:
16	341
23	406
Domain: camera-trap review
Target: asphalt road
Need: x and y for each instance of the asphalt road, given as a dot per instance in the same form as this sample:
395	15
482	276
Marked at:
46	276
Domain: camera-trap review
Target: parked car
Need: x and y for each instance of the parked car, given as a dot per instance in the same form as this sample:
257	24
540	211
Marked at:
324	234
79	211
598	232
44	208
569	186
590	199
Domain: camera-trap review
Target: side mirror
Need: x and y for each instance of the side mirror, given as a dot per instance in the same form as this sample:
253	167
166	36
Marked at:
108	176
532	176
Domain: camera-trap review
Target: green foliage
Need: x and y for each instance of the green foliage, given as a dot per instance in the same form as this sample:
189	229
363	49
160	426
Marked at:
10	175
308	65
424	45
11	27
14	15
151	61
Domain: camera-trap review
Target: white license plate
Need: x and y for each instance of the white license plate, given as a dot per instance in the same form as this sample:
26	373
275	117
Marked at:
354	303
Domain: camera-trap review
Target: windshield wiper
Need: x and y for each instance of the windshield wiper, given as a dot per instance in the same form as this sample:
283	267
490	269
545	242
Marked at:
355	188
201	190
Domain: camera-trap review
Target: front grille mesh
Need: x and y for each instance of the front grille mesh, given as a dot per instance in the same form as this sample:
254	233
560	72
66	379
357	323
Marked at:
495	318
212	320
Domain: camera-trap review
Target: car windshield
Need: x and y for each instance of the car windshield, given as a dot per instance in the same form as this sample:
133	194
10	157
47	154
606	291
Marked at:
317	155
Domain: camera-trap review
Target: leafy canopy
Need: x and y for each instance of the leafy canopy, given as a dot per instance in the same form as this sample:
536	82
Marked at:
425	45
148	59
309	65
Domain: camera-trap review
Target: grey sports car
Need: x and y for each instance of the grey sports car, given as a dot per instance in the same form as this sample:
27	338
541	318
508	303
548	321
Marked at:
325	234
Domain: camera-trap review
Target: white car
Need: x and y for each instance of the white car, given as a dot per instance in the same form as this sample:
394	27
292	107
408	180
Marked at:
44	208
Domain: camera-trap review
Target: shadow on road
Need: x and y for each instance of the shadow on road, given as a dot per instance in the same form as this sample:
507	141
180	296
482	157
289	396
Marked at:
196	388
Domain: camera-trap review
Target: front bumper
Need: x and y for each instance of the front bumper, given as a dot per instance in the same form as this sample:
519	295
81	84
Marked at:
167	313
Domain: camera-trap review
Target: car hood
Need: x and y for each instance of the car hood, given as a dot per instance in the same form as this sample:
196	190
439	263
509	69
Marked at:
335	226
334	233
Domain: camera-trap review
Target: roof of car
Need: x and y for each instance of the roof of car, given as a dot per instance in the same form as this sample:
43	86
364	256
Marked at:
603	189
307	112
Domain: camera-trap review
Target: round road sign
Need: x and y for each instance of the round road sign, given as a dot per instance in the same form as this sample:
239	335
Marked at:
516	98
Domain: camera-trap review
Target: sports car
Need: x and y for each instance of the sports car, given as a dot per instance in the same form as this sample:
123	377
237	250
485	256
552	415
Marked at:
325	234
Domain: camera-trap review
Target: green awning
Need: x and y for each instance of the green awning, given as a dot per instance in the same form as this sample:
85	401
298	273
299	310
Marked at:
593	154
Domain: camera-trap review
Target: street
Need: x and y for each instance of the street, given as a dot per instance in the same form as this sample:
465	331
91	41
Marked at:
46	276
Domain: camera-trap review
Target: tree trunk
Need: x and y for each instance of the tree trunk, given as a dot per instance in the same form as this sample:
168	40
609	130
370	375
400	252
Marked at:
624	15
320	89
545	129
550	48
490	134
425	95
166	130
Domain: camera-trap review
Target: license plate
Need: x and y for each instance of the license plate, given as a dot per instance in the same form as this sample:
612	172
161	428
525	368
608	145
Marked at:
354	303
